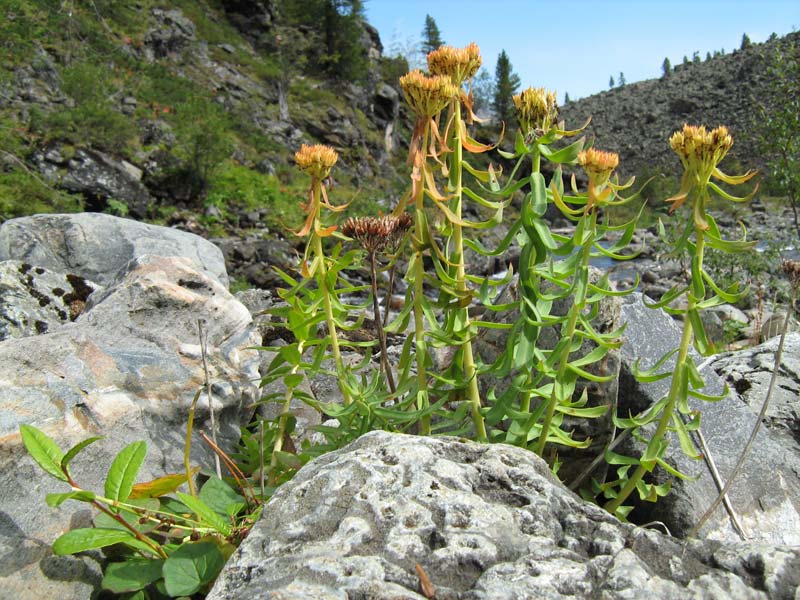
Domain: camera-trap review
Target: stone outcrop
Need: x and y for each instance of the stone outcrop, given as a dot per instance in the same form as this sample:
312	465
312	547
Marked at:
474	522
766	494
35	300
97	176
96	246
749	372
126	368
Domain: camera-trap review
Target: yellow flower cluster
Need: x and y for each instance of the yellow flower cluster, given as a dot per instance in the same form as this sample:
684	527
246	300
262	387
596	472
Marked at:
460	64
699	149
536	110
427	95
317	160
598	164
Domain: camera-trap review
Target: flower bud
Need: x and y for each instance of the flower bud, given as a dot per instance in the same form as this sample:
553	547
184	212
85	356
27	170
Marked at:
317	160
598	164
700	149
536	110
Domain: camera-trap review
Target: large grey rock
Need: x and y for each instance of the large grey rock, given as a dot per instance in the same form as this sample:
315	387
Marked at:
35	300
96	246
127	369
482	522
766	494
749	372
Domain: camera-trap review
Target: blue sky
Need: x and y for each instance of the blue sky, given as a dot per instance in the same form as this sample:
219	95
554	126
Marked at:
574	46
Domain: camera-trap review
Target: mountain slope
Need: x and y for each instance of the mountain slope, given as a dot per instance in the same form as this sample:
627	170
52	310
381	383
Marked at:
140	107
637	119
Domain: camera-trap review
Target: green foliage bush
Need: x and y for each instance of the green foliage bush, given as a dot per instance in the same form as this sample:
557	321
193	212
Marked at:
92	120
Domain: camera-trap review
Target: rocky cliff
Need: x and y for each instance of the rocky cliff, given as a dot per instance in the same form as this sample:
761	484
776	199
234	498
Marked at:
140	108
637	119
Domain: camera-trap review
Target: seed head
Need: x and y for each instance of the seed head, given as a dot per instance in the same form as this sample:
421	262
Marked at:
792	270
459	64
537	110
317	160
427	95
700	149
376	234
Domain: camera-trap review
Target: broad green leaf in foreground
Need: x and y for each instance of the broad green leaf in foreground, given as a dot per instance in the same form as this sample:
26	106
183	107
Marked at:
43	450
131	575
123	471
191	567
78	540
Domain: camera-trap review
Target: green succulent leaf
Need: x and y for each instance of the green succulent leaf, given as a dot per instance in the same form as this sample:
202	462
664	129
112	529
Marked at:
122	474
700	339
43	450
565	155
685	438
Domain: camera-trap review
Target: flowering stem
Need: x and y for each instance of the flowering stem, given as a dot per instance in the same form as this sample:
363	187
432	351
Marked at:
578	304
525	401
322	281
470	372
678	380
285	413
379	323
420	235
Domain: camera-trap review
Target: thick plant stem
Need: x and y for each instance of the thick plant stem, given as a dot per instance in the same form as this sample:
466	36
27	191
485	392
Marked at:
578	304
525	400
420	235
322	279
379	323
678	376
470	372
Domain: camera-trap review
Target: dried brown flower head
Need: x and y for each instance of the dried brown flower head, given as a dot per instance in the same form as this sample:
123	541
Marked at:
792	270
376	234
537	110
459	64
317	160
427	95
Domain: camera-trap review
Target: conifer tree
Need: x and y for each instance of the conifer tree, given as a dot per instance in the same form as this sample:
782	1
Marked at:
506	85
621	79
431	36
746	43
666	67
611	82
566	97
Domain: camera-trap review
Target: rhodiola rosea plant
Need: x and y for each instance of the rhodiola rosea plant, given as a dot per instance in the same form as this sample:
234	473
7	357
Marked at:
438	383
